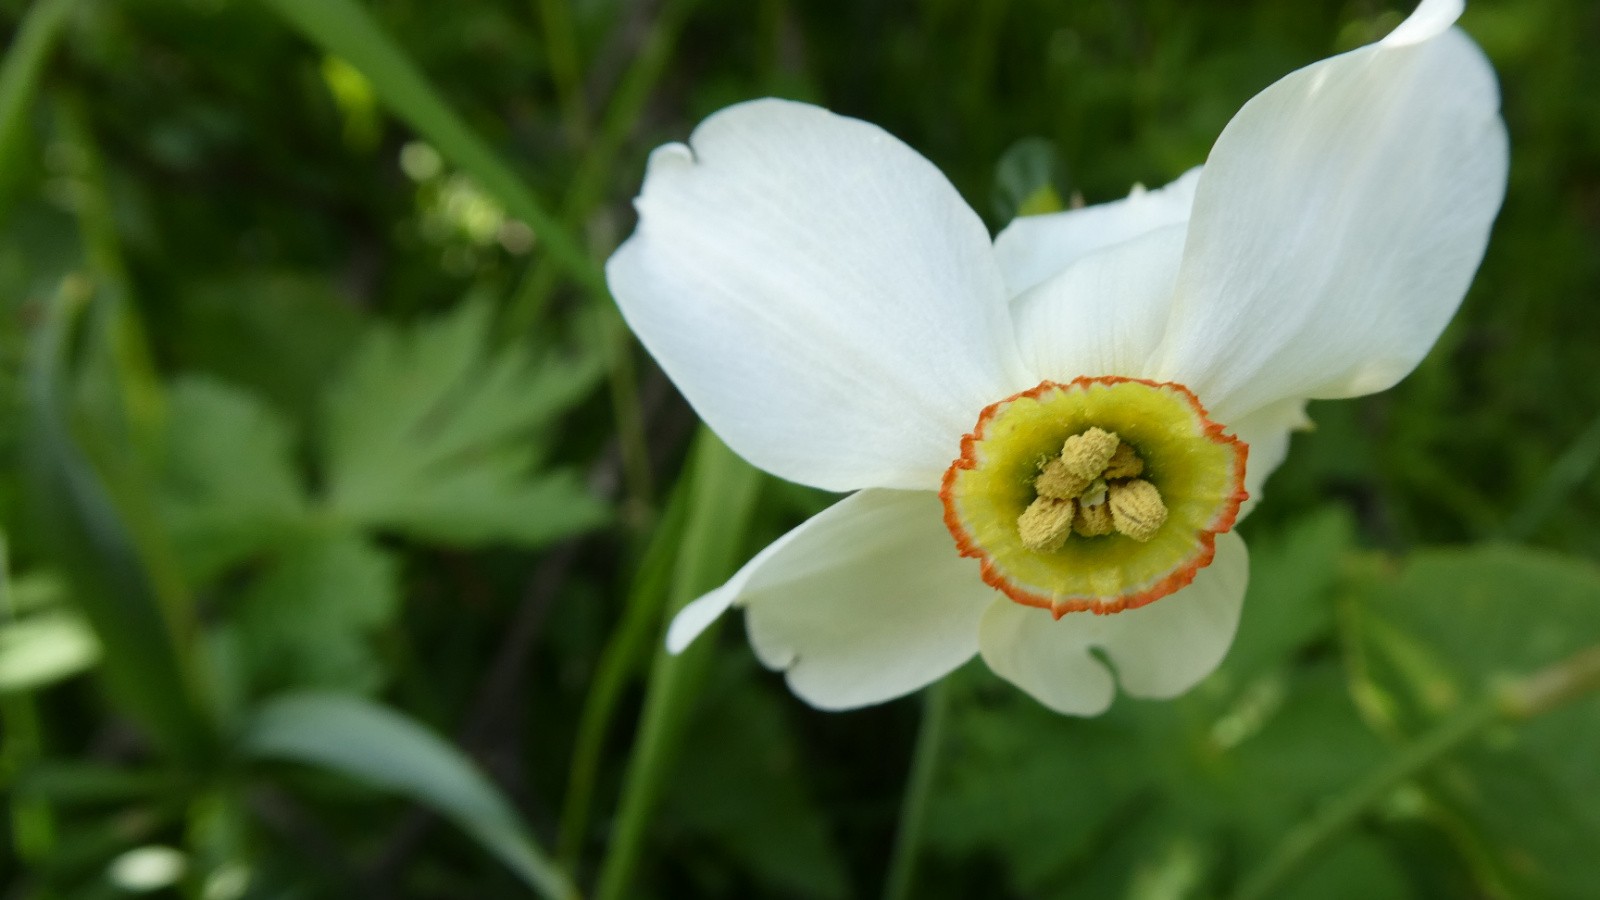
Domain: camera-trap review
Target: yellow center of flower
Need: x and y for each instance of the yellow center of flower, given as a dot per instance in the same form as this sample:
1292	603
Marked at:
1103	494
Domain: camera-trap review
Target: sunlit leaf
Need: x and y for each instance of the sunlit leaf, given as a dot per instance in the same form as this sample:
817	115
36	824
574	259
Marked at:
383	748
44	648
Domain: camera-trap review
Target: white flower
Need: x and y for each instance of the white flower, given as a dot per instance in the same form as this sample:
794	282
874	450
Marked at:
836	313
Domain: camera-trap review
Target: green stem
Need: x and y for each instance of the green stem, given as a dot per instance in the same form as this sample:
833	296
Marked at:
627	647
1516	701
723	494
599	159
919	786
588	183
561	46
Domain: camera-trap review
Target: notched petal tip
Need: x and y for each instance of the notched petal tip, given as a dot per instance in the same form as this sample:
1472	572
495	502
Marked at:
669	156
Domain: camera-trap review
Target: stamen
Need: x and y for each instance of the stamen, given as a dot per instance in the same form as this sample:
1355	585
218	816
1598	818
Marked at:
1125	463
1101	494
1086	454
1094	521
1046	524
1057	482
1136	509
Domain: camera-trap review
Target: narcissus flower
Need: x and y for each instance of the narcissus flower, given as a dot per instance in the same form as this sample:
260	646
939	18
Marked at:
1049	435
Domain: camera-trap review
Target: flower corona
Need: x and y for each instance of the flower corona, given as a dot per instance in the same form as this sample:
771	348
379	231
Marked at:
1099	495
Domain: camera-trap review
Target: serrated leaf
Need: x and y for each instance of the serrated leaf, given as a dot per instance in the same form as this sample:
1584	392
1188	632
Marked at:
251	330
429	434
310	618
371	743
230	489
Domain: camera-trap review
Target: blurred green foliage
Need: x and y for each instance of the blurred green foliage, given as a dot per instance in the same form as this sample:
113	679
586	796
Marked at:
332	505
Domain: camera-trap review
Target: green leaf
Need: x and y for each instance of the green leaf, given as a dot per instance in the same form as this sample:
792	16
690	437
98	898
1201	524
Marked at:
1003	754
230	489
143	665
250	330
1485	611
381	747
745	792
20	73
1293	573
310	619
428	434
1445	629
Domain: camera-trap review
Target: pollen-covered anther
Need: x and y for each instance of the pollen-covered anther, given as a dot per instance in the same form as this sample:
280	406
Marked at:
1125	463
1094	521
1087	454
1136	509
1046	524
1057	482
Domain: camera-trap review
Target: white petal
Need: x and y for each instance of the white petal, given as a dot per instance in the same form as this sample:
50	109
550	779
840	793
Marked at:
1047	658
1267	431
820	294
866	602
1430	18
698	615
1033	248
1105	313
1159	650
1338	222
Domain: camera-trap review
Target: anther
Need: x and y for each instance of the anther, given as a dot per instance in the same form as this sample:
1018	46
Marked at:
1136	509
1046	523
1125	463
1086	454
1093	521
1058	483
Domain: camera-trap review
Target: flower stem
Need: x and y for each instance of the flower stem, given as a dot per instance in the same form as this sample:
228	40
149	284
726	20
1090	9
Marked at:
723	491
919	784
1516	701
